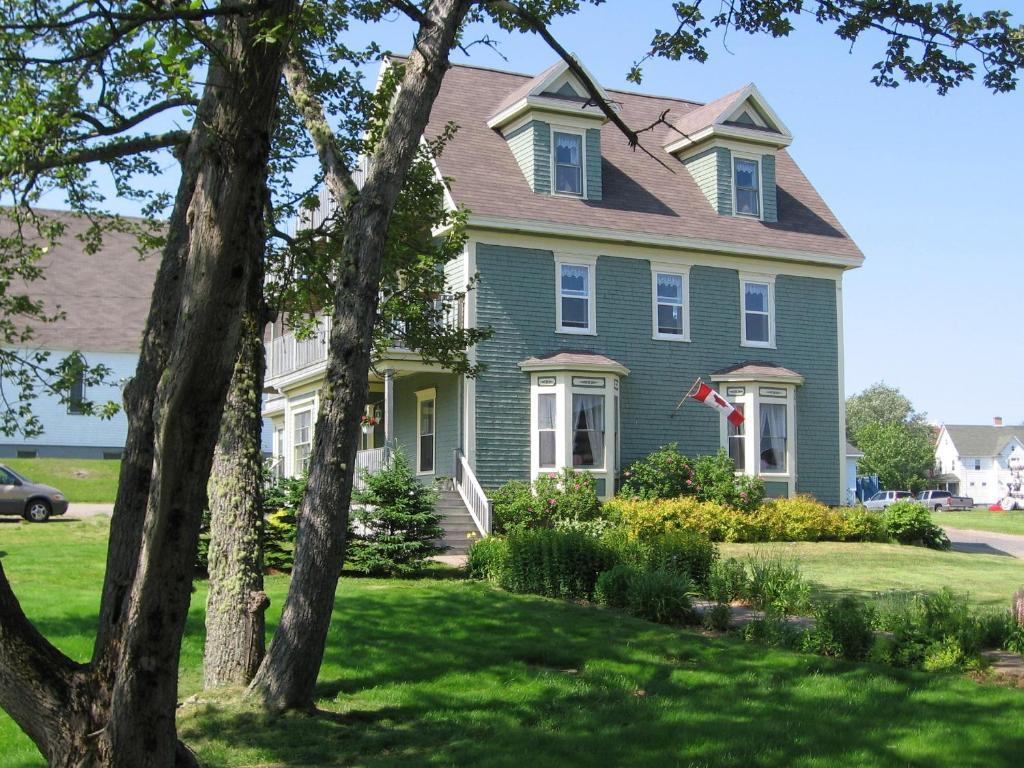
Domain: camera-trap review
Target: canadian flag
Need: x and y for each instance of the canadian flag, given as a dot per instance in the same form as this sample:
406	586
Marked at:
712	399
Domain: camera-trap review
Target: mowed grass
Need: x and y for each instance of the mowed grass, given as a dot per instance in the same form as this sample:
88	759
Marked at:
447	672
836	569
984	520
87	481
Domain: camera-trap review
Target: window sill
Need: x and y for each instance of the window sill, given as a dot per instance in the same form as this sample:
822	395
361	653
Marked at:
751	216
773	476
577	331
757	344
670	337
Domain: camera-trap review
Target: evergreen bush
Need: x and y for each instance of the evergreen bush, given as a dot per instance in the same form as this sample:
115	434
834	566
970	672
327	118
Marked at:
395	522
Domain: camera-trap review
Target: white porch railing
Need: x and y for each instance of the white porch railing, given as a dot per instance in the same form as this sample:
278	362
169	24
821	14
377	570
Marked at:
288	354
472	494
370	462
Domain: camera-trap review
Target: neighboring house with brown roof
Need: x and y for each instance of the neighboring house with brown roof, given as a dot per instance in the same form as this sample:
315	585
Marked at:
105	300
985	462
613	278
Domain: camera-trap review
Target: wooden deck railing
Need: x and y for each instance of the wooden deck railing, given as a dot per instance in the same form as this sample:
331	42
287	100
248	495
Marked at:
472	494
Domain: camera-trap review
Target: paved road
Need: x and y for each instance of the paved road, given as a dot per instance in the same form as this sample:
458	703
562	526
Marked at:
986	542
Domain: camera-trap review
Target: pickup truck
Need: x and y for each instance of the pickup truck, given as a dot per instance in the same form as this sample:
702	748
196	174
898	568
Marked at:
944	500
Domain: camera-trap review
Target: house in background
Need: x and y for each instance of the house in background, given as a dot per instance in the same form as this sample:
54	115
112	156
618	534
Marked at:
853	453
105	297
612	280
975	460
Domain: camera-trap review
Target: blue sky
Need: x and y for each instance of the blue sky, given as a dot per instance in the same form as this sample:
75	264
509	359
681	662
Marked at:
930	187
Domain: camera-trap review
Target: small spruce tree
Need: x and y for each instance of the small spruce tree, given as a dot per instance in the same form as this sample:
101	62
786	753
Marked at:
396	522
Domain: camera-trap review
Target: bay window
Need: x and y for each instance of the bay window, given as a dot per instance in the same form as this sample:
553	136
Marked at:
547	422
773	438
736	437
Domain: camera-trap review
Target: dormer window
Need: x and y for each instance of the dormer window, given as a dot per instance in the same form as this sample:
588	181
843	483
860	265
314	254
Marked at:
568	163
747	178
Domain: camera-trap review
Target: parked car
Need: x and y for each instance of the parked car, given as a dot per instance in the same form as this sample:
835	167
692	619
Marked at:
939	500
33	501
883	499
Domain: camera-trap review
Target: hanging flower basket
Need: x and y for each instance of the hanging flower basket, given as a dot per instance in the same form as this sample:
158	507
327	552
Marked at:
367	423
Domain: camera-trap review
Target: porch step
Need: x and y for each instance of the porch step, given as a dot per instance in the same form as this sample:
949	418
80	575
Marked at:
456	522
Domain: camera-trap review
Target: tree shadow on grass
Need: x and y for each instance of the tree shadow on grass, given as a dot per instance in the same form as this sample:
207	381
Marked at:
459	674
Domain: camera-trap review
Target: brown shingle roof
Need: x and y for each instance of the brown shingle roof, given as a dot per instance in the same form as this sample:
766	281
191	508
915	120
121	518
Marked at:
756	369
701	117
570	358
640	194
105	295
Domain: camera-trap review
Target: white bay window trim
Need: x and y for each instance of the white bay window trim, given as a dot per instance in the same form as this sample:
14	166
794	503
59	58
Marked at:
589	263
681	271
758	279
752	396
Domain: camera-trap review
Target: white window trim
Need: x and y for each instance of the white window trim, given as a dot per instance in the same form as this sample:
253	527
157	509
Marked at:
760	185
422	396
590	262
760	279
751	401
583	160
675	271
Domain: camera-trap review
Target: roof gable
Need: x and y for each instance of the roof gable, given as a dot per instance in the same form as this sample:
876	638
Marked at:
743	114
557	88
982	440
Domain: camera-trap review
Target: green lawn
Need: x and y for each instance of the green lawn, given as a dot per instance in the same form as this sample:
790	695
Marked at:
863	569
445	672
983	520
81	480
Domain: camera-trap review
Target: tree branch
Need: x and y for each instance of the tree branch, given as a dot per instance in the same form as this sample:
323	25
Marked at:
412	12
104	153
337	175
128	123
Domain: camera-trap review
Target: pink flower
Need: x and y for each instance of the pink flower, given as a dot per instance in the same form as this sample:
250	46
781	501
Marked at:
551	502
552	475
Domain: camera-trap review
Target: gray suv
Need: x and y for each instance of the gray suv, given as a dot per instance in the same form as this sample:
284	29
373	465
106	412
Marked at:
33	501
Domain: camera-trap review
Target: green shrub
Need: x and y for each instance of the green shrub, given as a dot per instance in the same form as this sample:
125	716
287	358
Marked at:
487	559
397	522
555	563
776	584
911	523
612	588
661	597
717	618
798	519
773	630
680	551
727	581
925	628
841	629
663	474
556	500
715	479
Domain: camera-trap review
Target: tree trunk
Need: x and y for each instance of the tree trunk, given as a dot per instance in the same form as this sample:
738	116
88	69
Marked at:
120	710
288	674
236	602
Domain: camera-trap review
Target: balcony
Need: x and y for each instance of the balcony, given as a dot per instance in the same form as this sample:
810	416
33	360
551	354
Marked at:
287	354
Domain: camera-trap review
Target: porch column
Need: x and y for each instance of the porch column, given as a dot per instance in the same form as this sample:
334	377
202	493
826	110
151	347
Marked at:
389	407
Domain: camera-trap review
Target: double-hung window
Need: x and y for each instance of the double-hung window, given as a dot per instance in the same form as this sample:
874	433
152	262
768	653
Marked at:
302	440
568	163
575	298
588	431
747	186
773	438
736	436
76	397
426	400
671	313
757	294
547	424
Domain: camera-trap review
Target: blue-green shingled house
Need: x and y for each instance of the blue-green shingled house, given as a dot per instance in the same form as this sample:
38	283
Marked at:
612	280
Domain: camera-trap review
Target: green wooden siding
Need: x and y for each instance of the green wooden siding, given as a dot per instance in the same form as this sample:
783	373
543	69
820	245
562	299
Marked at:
776	490
516	297
520	141
446	435
771	207
593	164
712	170
541	158
723	187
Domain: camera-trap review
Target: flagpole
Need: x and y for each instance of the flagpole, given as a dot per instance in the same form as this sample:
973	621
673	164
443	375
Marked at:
690	391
